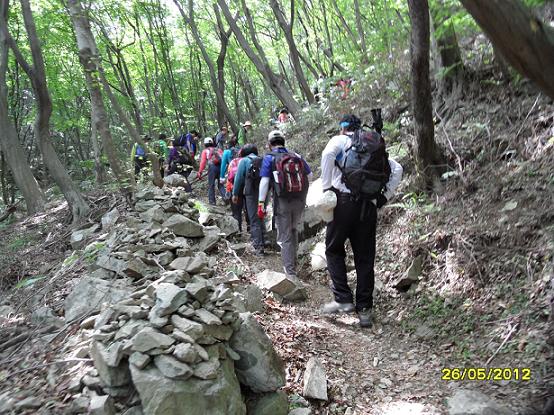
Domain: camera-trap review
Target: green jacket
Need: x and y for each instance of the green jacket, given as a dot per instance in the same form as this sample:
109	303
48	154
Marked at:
242	136
163	150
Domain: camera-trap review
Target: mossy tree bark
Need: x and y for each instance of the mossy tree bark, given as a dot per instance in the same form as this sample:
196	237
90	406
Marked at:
427	155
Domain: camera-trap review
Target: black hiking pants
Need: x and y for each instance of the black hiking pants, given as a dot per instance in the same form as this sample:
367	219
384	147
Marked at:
236	211
349	223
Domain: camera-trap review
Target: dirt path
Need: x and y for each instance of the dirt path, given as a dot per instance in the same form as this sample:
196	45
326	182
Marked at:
385	370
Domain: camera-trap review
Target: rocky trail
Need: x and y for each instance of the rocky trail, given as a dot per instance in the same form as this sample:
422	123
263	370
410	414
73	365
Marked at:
65	358
82	332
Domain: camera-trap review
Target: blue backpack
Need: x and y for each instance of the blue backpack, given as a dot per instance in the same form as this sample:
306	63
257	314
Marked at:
139	152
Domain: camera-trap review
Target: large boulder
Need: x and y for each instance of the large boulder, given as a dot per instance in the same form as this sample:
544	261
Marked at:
90	293
154	214
110	219
228	224
274	403
79	237
315	380
112	369
162	396
288	287
169	297
470	402
175	180
112	264
259	366
183	226
192	265
210	239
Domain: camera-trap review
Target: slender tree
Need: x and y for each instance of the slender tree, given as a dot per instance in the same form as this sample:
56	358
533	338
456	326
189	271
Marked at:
79	207
447	44
12	152
427	154
258	57
91	62
287	28
219	93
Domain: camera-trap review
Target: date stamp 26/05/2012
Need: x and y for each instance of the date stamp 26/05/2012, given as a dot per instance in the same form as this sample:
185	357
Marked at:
486	373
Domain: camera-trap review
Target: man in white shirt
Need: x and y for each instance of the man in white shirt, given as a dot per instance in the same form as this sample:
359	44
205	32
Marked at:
354	218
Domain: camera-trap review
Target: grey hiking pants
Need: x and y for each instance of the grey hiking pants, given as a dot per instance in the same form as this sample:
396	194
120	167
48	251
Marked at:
256	225
288	217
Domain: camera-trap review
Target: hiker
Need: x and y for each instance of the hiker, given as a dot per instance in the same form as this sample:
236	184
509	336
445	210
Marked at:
319	88
221	138
288	173
188	141
229	154
246	187
211	156
355	215
344	85
180	160
162	150
138	156
283	117
244	132
237	205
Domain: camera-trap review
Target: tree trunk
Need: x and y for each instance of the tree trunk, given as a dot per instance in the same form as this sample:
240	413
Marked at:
347	28
96	151
427	154
361	34
502	65
447	45
525	41
224	36
294	53
133	132
90	60
274	81
126	84
13	153
79	207
220	98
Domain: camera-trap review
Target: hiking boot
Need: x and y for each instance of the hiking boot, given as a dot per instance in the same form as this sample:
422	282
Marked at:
259	252
333	308
365	317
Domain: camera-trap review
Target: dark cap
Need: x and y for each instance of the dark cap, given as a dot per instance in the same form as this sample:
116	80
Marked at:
350	122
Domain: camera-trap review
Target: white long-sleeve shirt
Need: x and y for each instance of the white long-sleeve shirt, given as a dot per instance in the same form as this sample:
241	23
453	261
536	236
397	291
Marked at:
331	176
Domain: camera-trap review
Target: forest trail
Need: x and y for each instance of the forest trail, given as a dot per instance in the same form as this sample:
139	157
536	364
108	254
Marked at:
384	370
393	368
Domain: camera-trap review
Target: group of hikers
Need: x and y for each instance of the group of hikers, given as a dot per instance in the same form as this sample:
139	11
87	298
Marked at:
354	166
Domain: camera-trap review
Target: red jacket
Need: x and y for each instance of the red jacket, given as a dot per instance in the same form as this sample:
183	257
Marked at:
205	156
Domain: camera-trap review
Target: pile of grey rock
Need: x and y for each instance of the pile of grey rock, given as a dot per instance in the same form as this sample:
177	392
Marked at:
166	334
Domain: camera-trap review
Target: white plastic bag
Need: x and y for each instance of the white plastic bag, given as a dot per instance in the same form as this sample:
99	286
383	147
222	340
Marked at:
317	257
323	203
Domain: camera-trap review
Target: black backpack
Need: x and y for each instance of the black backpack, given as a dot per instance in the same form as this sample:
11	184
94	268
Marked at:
365	167
252	178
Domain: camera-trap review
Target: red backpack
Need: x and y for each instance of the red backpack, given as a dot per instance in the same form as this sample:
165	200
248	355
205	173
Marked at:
214	157
291	180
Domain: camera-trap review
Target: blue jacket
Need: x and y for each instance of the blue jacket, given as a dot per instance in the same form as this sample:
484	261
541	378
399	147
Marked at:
225	160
